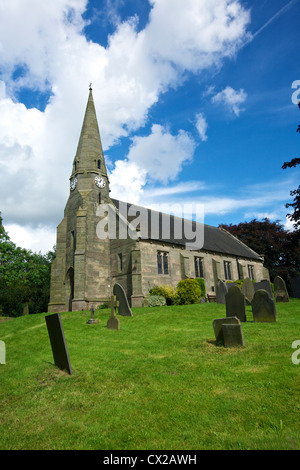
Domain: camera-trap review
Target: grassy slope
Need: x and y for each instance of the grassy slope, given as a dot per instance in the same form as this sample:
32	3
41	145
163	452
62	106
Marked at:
158	383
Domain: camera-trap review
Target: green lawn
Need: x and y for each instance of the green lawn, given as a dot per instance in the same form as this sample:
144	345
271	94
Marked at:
158	383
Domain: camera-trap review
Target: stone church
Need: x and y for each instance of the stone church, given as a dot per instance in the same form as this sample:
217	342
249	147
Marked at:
102	241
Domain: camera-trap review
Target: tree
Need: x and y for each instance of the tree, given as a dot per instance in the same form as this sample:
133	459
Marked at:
24	277
295	217
279	247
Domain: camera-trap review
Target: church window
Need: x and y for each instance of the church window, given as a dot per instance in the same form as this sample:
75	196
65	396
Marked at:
99	198
227	270
99	164
162	263
251	272
120	262
199	267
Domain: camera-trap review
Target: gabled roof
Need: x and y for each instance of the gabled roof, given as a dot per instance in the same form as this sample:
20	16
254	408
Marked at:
216	240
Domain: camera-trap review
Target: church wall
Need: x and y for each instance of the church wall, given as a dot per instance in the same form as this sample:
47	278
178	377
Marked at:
181	265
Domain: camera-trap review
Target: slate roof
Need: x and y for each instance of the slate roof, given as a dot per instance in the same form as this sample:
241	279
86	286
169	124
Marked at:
214	239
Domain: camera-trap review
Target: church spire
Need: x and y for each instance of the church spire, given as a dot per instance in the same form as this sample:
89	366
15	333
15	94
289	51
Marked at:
89	155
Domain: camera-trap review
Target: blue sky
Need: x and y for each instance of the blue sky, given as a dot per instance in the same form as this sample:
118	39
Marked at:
194	104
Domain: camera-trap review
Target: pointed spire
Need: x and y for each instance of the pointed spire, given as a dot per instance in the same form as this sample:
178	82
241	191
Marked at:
89	150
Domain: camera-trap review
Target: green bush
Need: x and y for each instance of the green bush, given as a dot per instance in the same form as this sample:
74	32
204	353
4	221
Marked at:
156	301
188	292
201	283
168	292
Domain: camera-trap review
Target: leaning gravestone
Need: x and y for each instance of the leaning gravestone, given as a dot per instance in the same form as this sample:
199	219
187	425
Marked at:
265	285
113	322
281	293
235	303
248	290
221	291
263	307
58	342
2	352
218	327
123	308
233	335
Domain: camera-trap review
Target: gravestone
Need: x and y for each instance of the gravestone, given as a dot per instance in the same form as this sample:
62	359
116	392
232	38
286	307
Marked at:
58	342
281	293
218	324
248	290
25	309
113	322
235	303
221	291
2	352
92	321
123	308
233	335
265	285
263	307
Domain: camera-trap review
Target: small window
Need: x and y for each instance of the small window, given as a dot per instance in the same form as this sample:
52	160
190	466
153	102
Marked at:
99	164
251	272
227	270
120	262
162	263
99	198
199	267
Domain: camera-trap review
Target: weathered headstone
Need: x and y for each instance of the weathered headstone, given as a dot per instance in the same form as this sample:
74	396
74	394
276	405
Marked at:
221	291
233	335
281	293
218	324
2	352
113	322
92	321
58	342
248	290
263	307
25	309
265	285
124	308
235	303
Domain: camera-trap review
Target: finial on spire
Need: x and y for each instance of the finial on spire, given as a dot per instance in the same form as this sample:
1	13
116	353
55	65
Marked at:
90	87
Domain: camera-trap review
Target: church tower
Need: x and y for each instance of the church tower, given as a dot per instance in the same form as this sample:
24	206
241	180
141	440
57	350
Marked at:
80	274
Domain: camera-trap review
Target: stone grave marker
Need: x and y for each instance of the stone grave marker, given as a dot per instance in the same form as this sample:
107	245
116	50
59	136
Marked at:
218	327
265	285
233	335
2	352
58	342
263	307
25	309
235	303
124	308
113	322
248	290
92	321
281	293
221	291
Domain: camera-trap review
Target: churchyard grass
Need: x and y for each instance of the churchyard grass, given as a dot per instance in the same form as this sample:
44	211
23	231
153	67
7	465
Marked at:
157	383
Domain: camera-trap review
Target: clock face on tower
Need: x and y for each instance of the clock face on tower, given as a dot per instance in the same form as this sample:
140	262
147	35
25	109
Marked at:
99	181
73	184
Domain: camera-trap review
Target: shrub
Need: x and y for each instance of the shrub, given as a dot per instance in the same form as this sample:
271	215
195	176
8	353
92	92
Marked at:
201	283
156	301
168	292
188	292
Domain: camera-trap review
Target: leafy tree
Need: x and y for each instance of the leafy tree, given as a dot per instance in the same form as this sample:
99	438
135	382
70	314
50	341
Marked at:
279	247
295	217
24	277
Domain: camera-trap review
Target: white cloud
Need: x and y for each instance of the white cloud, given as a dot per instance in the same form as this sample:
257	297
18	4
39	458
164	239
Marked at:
232	99
41	238
43	48
201	126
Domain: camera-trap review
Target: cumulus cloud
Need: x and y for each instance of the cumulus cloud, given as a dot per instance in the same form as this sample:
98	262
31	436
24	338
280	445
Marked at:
201	126
43	48
231	99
